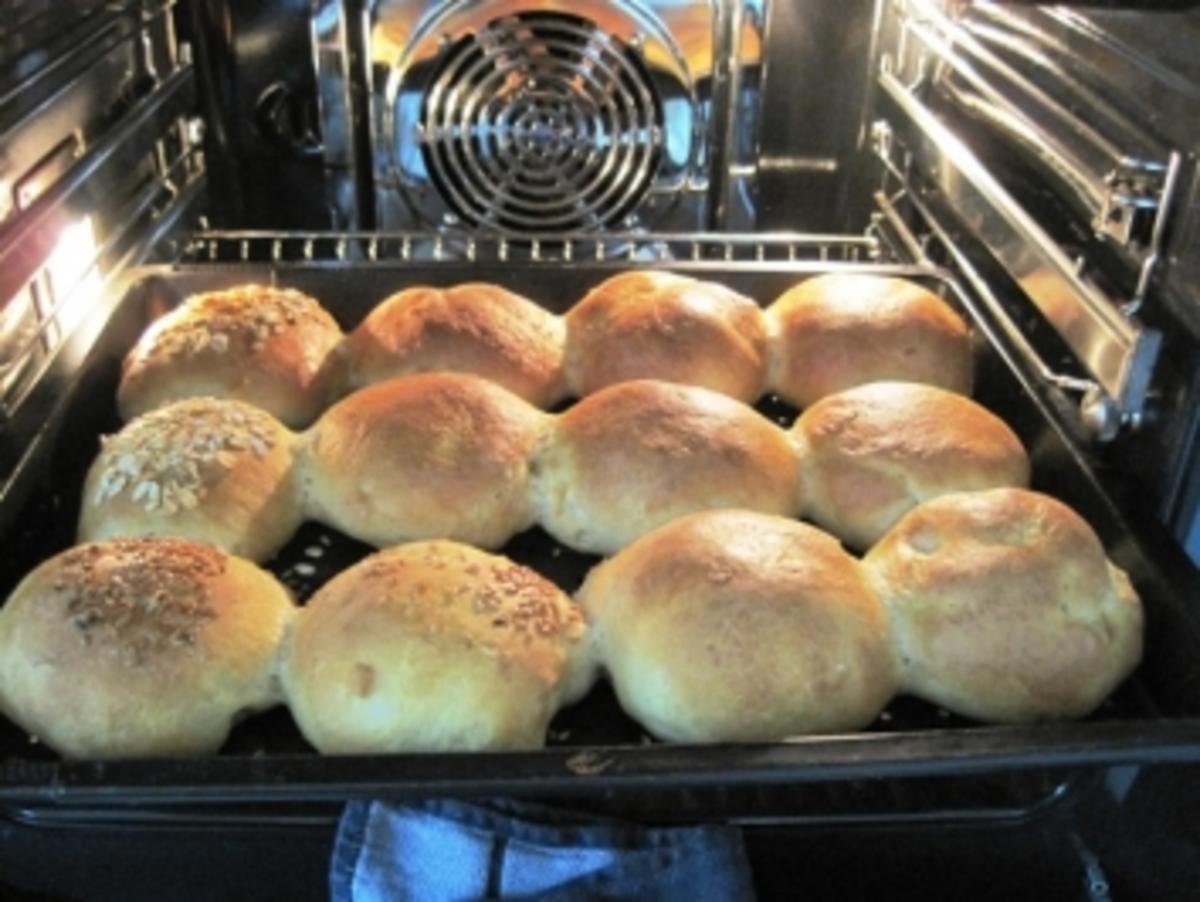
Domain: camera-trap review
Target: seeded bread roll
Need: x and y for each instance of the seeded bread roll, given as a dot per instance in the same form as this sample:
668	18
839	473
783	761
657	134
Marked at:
836	331
869	454
268	346
637	454
732	626
474	328
657	325
140	647
1004	607
217	471
434	646
436	455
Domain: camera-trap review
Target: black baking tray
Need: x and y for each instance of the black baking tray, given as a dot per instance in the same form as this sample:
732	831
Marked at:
593	748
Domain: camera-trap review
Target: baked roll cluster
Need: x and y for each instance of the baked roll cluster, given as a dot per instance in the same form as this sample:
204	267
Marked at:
454	456
827	334
279	349
724	625
719	617
137	648
446	455
732	626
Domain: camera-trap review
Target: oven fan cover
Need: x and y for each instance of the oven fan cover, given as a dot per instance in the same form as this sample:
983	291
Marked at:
540	120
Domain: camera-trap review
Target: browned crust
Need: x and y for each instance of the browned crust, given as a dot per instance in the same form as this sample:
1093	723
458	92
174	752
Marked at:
657	325
835	331
476	328
268	346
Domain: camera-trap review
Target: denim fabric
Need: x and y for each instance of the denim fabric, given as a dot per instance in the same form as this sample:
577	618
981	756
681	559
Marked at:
443	850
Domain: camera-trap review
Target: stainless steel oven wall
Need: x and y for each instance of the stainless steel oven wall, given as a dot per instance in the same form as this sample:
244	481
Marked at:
99	156
255	67
817	74
543	115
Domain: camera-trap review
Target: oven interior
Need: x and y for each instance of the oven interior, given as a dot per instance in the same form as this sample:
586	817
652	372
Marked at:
1035	165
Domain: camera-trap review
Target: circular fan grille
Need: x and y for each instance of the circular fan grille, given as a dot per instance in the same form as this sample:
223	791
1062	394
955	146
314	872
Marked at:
541	122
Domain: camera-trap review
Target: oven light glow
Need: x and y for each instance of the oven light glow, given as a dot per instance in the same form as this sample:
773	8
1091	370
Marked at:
73	273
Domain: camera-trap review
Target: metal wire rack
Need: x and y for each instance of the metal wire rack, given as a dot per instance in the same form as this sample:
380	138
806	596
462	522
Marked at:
367	248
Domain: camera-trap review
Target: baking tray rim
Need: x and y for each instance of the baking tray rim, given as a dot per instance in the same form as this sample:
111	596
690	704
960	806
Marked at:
565	770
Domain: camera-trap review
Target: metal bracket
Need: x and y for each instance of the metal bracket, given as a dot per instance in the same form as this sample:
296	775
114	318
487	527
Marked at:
1117	351
1133	197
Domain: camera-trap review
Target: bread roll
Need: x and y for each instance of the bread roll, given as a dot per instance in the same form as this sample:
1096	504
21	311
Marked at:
736	626
1004	607
268	346
434	646
657	325
869	454
217	471
637	454
836	331
140	647
436	455
475	328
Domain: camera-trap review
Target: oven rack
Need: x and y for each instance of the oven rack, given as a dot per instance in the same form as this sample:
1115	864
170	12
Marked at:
366	248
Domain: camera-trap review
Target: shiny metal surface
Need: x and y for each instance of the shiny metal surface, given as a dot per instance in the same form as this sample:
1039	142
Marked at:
97	151
386	248
1117	351
518	116
1100	108
50	114
540	121
534	117
994	66
813	170
332	31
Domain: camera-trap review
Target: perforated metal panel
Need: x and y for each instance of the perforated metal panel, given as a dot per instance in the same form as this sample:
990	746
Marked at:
541	120
539	116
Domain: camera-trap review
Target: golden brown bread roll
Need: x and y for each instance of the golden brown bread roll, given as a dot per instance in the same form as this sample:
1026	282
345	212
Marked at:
657	325
217	471
436	455
474	328
737	626
434	646
268	346
836	331
637	454
1004	607
140	647
869	454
